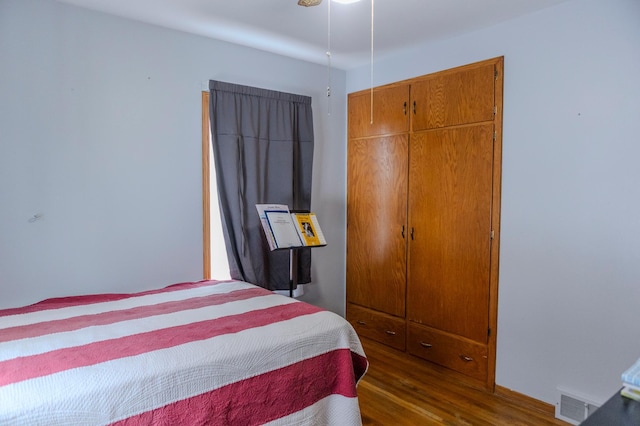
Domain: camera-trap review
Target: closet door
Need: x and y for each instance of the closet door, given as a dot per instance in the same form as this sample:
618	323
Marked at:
450	194
390	111
464	95
376	223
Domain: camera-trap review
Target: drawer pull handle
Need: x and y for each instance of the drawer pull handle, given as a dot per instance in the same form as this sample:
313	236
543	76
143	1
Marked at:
361	322
390	333
466	358
426	345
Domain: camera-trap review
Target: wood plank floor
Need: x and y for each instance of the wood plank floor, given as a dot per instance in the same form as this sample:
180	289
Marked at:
399	390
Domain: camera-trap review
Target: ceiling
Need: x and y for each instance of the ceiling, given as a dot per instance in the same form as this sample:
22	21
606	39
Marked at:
283	27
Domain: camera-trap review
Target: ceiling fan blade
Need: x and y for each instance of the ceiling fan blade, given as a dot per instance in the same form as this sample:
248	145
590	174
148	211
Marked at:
307	3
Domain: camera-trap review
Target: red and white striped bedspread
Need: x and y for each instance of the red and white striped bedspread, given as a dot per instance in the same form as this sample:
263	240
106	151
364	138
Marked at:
219	353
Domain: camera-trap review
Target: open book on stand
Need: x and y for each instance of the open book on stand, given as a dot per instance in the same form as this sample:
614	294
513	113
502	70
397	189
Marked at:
285	230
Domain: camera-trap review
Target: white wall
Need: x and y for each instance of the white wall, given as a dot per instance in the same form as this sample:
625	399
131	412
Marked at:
100	133
570	246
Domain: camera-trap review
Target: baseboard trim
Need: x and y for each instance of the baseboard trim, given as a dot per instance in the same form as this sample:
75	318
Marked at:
524	400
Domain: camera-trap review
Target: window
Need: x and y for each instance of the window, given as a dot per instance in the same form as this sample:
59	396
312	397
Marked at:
214	258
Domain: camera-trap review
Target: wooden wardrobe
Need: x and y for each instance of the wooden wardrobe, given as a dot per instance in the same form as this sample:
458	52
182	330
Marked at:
423	216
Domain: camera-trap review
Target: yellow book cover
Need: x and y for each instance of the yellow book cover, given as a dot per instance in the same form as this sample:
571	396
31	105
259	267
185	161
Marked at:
309	229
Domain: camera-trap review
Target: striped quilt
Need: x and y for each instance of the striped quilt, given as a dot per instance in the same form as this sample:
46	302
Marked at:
205	353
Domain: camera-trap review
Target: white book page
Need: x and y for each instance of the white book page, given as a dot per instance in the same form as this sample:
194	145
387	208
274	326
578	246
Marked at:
284	232
316	225
262	209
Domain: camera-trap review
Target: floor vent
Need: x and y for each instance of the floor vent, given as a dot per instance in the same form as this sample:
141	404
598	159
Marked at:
573	408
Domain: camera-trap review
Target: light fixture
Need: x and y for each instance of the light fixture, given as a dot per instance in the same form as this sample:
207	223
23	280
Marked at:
307	3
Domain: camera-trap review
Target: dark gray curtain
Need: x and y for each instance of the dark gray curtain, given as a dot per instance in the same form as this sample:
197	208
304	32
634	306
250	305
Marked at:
263	152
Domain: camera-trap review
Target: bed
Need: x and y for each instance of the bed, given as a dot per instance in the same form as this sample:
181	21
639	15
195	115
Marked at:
209	352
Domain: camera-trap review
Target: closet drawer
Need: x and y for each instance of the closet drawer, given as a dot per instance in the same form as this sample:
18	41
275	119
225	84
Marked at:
459	354
377	326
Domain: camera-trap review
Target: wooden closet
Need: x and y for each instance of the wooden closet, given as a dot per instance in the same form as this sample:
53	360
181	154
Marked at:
423	216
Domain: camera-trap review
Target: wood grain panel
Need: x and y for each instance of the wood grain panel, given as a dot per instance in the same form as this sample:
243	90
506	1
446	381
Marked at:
403	390
495	219
376	217
380	327
206	190
450	220
390	111
453	98
462	355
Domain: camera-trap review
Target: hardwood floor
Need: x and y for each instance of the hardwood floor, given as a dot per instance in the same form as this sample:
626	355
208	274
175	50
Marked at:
398	390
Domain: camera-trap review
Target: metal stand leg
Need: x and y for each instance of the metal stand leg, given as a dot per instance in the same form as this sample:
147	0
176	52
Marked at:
293	270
